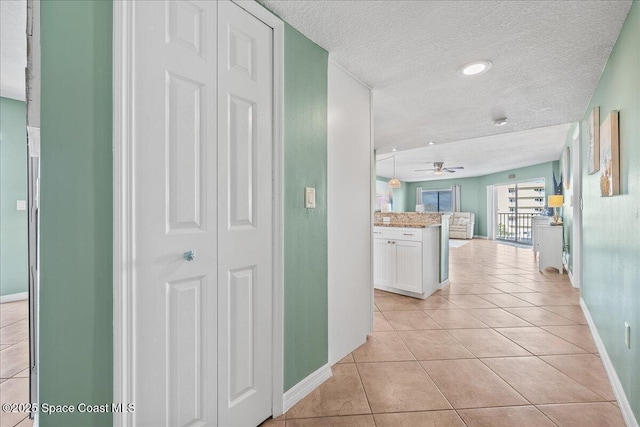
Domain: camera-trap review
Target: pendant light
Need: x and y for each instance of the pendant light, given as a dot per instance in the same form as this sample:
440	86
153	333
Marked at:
394	182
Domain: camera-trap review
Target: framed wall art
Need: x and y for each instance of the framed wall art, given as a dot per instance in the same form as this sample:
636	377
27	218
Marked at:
593	155
609	156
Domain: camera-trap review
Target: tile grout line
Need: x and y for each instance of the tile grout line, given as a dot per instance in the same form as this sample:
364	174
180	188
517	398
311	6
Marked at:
10	346
520	263
366	396
573	379
556	335
438	388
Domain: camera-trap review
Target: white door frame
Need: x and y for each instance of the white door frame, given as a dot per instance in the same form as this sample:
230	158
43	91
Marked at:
123	197
576	244
491	212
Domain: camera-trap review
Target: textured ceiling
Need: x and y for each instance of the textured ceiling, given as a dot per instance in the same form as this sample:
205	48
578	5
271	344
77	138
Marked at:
547	58
478	156
13	48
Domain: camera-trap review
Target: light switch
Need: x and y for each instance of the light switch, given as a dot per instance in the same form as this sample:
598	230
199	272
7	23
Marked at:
310	198
21	205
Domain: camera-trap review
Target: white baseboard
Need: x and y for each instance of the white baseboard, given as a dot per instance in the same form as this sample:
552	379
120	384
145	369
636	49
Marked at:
441	285
566	267
400	292
480	237
616	385
14	297
306	386
570	274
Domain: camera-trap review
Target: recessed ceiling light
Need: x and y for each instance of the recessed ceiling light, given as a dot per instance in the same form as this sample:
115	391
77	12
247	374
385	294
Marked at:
432	142
394	149
475	68
500	122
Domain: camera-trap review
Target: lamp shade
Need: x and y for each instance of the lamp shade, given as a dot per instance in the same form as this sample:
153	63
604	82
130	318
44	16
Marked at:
556	201
394	183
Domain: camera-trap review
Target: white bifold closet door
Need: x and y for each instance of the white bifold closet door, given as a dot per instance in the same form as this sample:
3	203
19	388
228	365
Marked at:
202	89
245	87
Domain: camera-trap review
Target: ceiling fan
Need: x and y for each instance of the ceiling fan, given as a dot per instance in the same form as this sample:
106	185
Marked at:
438	168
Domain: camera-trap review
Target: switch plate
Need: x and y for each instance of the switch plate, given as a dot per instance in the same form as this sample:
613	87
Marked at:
627	334
310	198
21	205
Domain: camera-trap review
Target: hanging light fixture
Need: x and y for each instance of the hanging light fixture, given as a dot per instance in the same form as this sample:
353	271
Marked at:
394	182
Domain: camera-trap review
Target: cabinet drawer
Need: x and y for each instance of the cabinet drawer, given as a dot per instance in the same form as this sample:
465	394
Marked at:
398	233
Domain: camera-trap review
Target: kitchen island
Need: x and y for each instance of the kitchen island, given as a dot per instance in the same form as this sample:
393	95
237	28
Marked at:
411	253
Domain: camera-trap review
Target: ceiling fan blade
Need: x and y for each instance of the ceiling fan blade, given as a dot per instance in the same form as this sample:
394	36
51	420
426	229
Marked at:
456	167
448	170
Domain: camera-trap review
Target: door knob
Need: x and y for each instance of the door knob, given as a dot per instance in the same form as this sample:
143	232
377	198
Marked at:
189	255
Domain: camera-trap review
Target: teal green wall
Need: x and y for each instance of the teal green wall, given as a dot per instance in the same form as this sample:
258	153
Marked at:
473	191
305	230
76	210
14	266
611	226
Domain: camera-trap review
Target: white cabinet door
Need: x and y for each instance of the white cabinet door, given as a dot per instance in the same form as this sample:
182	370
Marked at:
408	263
538	221
383	263
550	247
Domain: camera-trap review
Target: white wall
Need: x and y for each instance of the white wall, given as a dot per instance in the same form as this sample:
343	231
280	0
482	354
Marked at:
350	151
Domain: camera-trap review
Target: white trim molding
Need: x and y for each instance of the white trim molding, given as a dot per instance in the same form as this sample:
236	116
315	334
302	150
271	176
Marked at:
122	208
372	192
14	297
299	391
566	267
570	274
616	385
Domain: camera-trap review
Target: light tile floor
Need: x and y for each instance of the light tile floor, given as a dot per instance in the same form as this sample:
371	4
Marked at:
502	345
14	360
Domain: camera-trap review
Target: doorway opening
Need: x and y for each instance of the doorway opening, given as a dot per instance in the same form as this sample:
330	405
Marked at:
516	205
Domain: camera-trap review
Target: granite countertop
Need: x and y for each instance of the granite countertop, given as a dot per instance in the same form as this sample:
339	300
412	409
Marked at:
404	225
